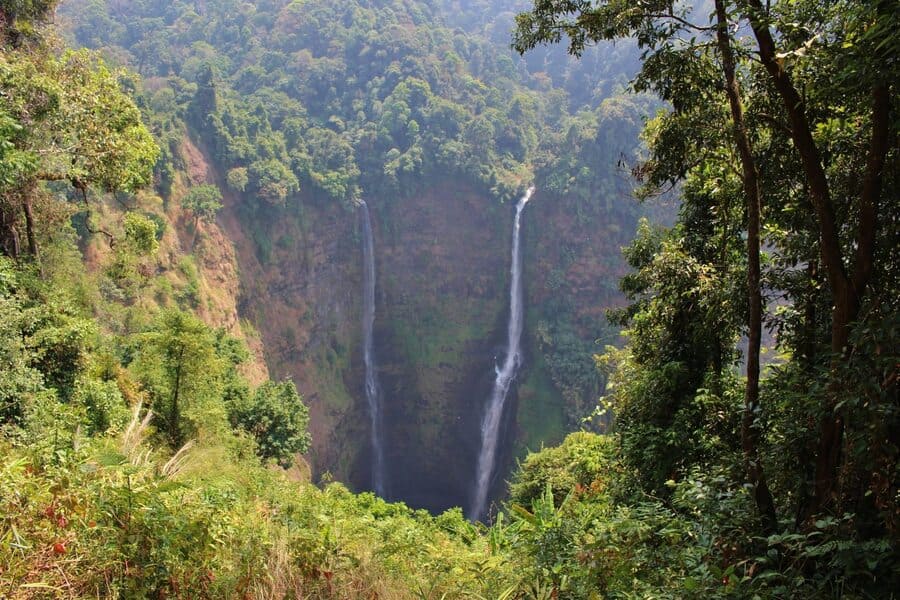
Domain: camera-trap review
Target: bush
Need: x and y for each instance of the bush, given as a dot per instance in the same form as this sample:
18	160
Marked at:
574	465
277	419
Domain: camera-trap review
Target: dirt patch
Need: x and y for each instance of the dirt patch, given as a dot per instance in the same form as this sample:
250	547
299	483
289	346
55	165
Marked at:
197	166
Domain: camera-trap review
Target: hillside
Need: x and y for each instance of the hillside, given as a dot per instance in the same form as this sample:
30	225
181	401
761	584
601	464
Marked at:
295	109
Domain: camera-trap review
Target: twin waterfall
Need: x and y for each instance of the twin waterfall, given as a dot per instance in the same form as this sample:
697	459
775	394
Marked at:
490	426
373	390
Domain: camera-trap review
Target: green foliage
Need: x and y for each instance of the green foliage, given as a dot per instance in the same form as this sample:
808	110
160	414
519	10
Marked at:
81	126
237	179
274	181
58	342
571	467
18	18
568	359
189	295
19	379
173	502
103	404
815	146
335	98
141	233
14	163
177	364
62	118
675	402
277	418
204	201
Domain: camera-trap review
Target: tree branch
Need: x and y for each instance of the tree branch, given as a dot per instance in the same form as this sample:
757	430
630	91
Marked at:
687	24
87	221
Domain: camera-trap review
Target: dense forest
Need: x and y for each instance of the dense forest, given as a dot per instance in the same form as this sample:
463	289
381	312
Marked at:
152	444
346	98
297	110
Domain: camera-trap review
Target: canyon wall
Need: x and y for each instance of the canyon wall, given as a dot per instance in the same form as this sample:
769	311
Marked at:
442	264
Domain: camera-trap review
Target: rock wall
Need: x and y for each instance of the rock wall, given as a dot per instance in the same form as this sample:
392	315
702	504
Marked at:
441	307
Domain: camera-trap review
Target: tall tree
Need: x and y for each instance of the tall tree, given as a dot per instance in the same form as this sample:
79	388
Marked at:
848	278
750	178
68	120
179	365
843	54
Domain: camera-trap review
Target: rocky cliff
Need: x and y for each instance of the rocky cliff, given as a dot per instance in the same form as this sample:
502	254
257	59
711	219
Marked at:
441	302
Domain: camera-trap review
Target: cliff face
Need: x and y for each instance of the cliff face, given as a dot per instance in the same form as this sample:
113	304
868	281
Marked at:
300	277
442	267
577	257
444	256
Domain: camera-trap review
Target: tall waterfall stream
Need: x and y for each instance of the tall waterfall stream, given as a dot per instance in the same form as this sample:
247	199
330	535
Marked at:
373	390
490	425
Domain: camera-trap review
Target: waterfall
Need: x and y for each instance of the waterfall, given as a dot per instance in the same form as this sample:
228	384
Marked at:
373	390
490	426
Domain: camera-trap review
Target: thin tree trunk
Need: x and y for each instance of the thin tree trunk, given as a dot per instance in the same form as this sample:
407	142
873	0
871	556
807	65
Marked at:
174	414
14	235
807	360
749	431
29	226
6	22
847	290
9	242
194	233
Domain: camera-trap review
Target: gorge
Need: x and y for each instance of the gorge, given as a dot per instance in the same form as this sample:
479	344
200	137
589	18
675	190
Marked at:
280	321
442	131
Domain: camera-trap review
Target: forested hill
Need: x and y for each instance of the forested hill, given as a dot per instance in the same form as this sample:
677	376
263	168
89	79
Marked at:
601	71
345	96
294	110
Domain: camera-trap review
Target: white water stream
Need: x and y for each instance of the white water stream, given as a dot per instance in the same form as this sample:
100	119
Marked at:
490	426
373	390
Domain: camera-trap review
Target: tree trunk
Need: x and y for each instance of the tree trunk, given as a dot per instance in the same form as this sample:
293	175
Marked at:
174	414
194	233
749	431
9	236
847	290
807	360
6	22
29	226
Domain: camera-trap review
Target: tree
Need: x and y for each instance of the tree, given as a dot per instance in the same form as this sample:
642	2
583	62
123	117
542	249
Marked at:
750	179
237	179
273	181
204	201
178	365
277	419
66	120
140	234
671	390
848	279
844	57
206	100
